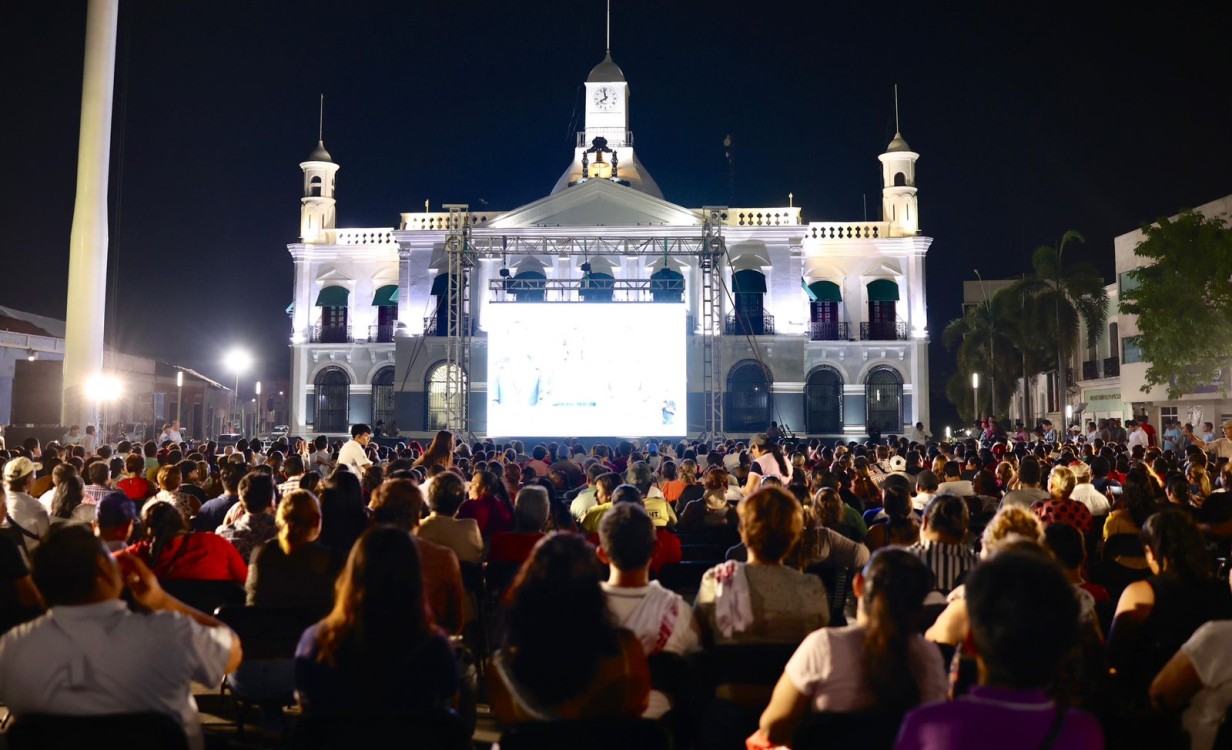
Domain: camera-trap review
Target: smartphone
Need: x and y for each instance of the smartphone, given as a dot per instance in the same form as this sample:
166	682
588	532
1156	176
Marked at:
1115	489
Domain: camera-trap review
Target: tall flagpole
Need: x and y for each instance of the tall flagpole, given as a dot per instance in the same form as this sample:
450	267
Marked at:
87	262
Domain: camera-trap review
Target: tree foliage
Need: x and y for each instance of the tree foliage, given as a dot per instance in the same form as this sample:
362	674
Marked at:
1183	300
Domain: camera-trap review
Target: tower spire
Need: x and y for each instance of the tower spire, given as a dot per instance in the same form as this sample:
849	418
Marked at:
897	129
608	44
321	119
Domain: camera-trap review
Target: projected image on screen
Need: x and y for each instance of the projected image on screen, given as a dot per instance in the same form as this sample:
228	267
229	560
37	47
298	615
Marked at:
586	369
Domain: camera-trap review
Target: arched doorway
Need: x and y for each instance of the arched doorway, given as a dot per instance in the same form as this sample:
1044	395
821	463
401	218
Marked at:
383	397
883	400
435	390
750	405
333	394
823	401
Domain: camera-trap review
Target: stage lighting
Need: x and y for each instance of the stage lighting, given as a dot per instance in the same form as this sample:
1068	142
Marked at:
31	355
586	267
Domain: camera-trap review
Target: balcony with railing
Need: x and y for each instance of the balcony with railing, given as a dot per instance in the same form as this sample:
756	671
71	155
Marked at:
381	334
1090	369
434	326
331	334
846	230
738	324
616	137
1112	367
829	331
438	221
893	331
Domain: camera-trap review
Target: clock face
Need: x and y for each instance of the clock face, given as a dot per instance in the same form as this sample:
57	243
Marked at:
605	97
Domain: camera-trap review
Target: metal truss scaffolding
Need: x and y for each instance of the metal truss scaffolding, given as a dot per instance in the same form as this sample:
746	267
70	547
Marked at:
464	247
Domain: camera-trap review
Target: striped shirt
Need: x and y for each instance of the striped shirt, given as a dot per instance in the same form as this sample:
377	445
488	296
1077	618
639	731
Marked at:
948	562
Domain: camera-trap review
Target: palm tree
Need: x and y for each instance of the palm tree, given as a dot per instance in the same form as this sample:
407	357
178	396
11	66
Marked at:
1065	297
985	340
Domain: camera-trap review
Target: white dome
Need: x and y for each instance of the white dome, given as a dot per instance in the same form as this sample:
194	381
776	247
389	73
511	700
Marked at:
606	72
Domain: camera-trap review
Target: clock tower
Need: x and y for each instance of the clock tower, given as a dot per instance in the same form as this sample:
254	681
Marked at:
607	118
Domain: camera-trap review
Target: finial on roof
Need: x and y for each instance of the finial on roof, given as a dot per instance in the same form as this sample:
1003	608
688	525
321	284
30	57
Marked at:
608	46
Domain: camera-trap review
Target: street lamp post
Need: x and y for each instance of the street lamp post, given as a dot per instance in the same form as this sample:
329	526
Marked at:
179	396
975	389
260	417
238	361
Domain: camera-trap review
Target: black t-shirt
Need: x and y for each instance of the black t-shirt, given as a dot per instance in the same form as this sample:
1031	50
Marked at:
1217	508
12	570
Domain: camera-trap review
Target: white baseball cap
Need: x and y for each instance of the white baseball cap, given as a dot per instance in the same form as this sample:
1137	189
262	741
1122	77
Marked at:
19	467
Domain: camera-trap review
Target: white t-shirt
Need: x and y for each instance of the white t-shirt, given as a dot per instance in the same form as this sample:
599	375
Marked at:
1095	500
662	620
1210	650
354	457
770	467
828	668
102	659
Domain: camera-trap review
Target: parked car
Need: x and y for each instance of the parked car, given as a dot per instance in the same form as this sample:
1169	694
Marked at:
227	438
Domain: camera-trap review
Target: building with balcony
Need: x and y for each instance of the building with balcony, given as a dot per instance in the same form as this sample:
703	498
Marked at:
824	325
1210	403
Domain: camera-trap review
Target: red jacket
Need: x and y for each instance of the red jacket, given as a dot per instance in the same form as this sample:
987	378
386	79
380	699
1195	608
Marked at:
200	556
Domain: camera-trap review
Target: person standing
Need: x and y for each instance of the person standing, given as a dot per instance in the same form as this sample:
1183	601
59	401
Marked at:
25	514
89	441
354	453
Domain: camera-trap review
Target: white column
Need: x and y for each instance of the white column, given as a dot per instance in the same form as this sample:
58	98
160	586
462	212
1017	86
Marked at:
87	266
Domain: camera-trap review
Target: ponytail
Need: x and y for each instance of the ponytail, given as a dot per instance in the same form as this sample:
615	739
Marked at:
777	452
895	584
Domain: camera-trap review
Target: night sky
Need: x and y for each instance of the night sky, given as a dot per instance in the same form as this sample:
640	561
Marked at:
1028	124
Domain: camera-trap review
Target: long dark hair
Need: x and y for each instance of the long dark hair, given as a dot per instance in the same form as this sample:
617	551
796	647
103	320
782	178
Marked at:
1177	545
343	517
1139	495
559	628
67	497
163	522
895	584
379	602
763	441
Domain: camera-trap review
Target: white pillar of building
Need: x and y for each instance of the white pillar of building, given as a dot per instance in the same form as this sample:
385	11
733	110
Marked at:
87	266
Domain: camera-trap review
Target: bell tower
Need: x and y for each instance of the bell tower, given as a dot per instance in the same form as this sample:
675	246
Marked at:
899	204
317	206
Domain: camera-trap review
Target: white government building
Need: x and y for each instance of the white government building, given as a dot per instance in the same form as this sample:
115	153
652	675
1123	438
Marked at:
824	322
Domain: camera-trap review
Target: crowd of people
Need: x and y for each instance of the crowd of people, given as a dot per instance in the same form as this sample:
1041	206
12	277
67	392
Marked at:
1036	590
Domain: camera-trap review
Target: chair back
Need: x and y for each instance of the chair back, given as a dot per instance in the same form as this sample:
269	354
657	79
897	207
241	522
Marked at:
266	632
440	729
860	730
685	578
701	553
206	596
138	731
592	734
760	664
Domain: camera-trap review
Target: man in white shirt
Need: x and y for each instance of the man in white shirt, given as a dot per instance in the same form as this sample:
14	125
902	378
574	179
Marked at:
918	434
1137	436
89	441
174	433
25	513
1085	493
353	454
89	655
72	437
660	619
1221	448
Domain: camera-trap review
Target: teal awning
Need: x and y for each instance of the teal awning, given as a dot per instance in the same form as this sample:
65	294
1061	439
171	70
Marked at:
333	296
291	309
823	291
386	296
748	282
882	290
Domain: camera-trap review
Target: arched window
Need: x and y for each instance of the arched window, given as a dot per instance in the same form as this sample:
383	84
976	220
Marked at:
823	401
749	291
824	322
750	405
900	179
383	396
314	187
333	395
597	286
438	404
666	285
883	400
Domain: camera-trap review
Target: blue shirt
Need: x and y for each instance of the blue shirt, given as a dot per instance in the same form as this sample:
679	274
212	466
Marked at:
213	512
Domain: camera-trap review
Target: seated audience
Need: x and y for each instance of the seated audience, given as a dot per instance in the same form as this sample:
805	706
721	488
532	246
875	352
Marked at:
68	503
27	519
114	520
530	516
1060	507
661	619
134	484
378	654
169	479
445	495
257	524
60	664
605	673
175	554
881	663
486	507
213	512
1086	493
343	517
762	601
1198	681
1028	492
712	508
1132	507
1024	620
292	571
398	502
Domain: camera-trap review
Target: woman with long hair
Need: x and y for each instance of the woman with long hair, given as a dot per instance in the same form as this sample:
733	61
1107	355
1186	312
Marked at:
377	654
439	451
293	570
768	460
1156	616
713	508
563	657
880	663
1131	508
66	501
343	517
